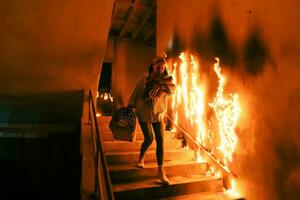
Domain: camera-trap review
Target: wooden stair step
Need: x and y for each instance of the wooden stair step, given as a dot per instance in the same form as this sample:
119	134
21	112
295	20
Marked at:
207	196
108	136
114	146
114	158
151	188
122	173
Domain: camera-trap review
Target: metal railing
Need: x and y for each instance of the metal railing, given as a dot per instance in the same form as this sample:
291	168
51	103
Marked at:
213	159
103	188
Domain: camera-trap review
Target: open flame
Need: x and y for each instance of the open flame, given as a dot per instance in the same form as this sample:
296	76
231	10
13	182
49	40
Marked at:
189	104
227	112
233	191
189	93
105	96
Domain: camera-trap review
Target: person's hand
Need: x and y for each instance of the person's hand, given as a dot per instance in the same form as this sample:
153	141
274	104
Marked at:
154	92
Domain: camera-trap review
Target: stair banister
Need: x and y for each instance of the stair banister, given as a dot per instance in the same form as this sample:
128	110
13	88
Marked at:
103	187
228	174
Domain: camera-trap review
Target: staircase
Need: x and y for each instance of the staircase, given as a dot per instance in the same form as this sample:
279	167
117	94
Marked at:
188	179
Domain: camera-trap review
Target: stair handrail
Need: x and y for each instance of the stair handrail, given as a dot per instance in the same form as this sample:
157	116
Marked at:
102	190
207	152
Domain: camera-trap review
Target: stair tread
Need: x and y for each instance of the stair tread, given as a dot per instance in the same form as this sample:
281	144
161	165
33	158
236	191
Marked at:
131	182
112	153
140	132
207	196
155	183
113	146
125	167
137	141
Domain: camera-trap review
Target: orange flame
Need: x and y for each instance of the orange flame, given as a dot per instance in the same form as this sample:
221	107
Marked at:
188	103
227	112
106	96
233	191
189	94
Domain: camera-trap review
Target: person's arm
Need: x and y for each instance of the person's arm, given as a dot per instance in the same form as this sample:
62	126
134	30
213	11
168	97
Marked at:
168	86
132	99
135	93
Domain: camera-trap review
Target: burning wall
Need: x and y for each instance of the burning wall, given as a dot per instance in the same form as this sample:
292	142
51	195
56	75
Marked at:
258	45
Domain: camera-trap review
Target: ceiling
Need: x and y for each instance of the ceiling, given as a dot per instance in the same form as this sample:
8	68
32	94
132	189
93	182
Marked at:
134	21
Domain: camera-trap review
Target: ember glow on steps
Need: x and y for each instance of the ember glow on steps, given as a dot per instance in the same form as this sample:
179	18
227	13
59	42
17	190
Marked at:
189	105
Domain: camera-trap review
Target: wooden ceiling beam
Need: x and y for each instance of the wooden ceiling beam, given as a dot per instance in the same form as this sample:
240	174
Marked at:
141	6
142	42
127	16
124	22
148	35
136	33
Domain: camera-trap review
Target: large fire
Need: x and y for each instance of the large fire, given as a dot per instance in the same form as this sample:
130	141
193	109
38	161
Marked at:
227	112
189	88
189	105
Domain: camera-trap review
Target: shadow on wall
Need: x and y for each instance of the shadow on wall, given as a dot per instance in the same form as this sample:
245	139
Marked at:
287	150
178	45
216	43
255	54
56	107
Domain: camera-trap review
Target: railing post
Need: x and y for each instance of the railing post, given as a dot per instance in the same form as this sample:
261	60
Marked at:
103	189
90	118
226	182
208	154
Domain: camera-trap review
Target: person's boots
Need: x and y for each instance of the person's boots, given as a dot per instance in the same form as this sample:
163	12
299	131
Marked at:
161	174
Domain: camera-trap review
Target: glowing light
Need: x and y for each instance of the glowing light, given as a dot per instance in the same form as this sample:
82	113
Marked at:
210	171
106	96
189	93
190	105
218	174
233	189
227	112
98	115
199	159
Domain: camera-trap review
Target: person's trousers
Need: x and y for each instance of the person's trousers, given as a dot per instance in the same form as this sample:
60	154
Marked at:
158	128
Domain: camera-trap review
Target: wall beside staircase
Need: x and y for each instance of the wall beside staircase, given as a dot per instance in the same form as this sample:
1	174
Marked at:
258	44
40	155
52	45
129	61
